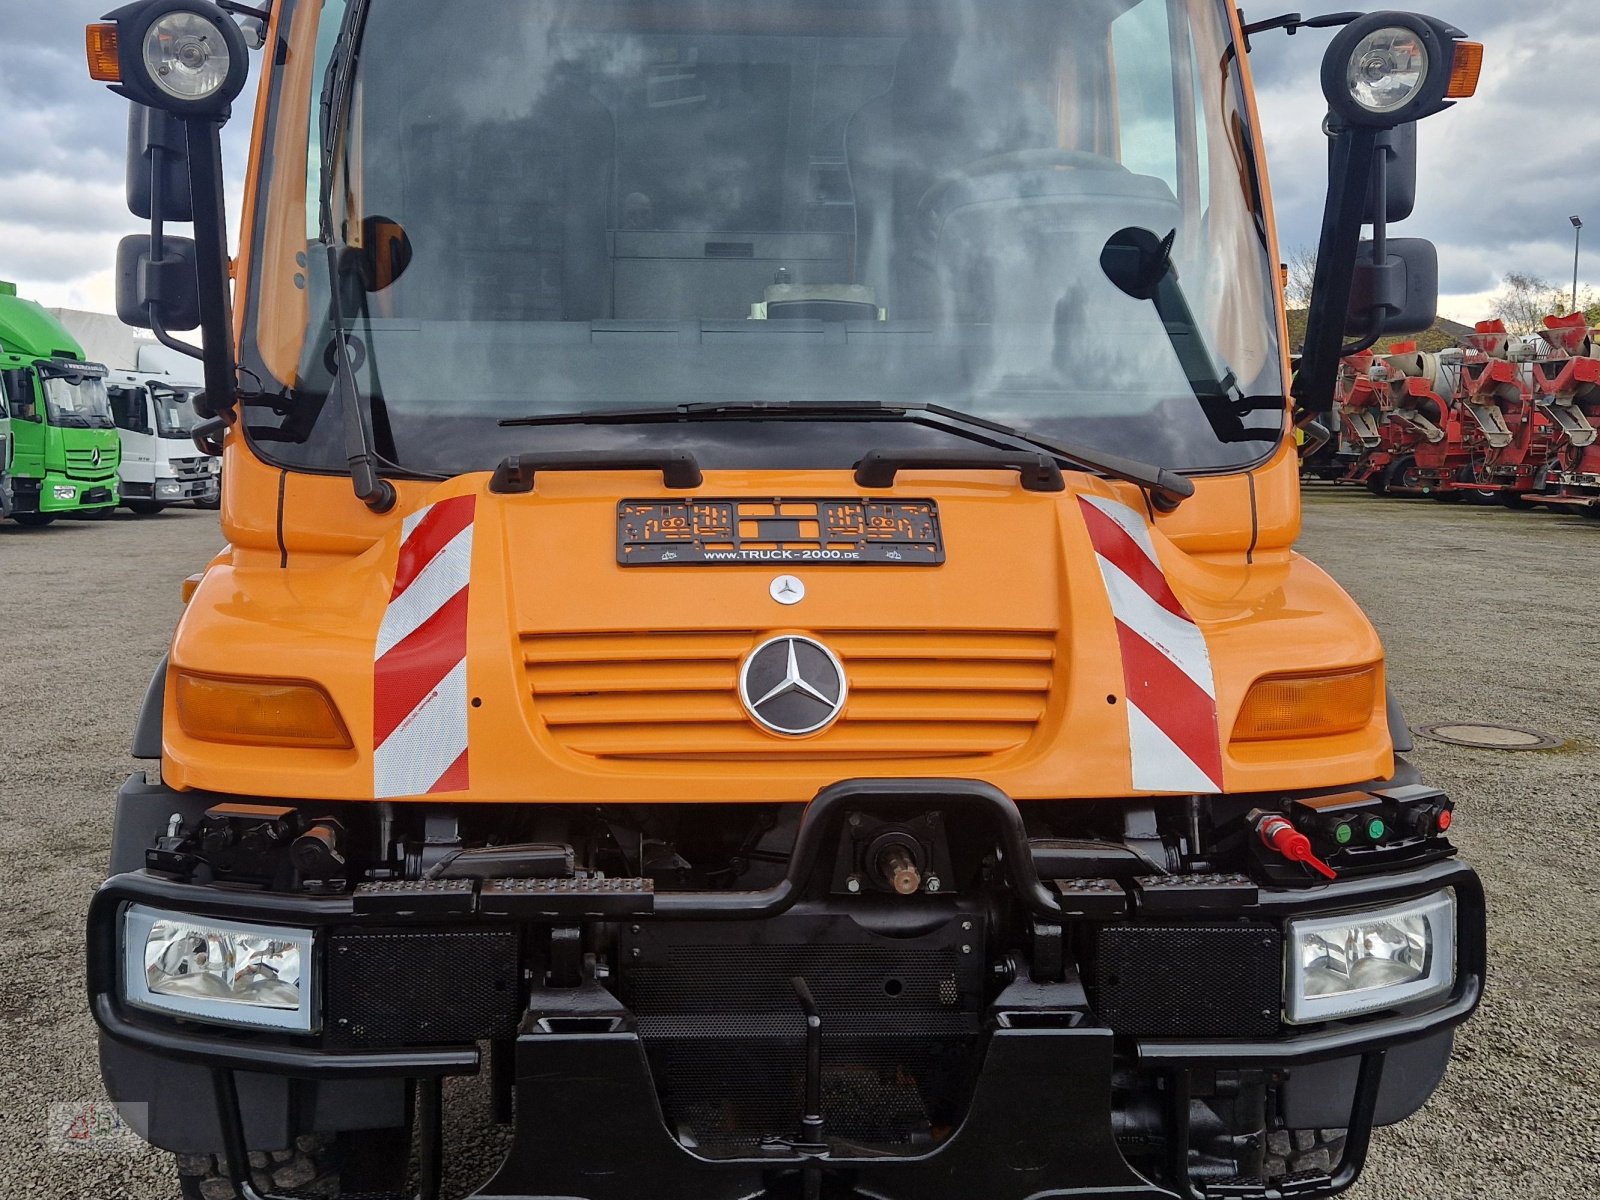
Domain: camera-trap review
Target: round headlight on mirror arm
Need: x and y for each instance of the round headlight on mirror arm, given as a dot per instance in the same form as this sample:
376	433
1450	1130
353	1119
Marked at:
1388	69
186	57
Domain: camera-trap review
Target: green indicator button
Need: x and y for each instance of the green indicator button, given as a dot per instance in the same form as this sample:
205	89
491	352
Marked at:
1375	829
1343	834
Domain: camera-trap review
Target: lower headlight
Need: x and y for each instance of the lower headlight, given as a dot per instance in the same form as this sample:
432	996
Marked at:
230	973
1366	961
169	489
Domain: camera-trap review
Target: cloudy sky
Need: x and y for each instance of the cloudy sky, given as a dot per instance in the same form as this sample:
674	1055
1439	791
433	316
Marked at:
1500	173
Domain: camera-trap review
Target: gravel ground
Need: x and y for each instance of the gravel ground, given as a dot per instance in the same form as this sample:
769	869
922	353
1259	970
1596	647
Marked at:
1488	615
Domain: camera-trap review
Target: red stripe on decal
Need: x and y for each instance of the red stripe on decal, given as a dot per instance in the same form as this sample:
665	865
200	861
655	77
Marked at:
432	534
1112	542
1172	701
454	778
415	666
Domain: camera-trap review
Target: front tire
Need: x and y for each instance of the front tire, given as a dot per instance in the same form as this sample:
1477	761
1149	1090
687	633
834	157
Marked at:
34	520
145	508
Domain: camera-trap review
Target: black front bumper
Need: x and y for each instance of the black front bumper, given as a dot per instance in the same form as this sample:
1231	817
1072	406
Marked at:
590	1126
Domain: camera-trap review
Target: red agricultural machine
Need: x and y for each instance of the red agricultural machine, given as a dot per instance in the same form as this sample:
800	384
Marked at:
1568	383
1397	408
1500	419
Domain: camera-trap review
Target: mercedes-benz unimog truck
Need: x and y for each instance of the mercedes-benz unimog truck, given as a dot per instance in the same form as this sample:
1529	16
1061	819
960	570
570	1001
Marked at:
161	465
64	449
759	616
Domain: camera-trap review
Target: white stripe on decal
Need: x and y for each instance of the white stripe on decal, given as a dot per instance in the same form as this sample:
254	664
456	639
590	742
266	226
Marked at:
409	525
1131	523
1180	640
445	575
1158	764
424	745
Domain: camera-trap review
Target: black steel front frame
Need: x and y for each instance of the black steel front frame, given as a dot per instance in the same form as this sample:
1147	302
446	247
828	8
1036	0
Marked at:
589	1124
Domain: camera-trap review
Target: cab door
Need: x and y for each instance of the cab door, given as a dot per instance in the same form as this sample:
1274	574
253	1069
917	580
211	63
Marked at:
130	410
27	438
5	455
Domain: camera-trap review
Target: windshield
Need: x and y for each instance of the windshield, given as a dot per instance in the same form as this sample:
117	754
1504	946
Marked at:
562	205
175	415
77	402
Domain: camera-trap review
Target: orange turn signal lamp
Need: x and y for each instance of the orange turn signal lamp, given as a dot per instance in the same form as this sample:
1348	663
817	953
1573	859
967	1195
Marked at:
1301	706
259	712
1465	70
100	40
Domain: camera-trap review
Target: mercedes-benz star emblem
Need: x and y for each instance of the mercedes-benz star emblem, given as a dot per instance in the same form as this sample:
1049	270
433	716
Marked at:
786	589
793	686
94	456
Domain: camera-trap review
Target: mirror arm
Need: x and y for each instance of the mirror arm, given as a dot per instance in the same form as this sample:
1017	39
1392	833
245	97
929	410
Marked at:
158	250
1350	174
211	262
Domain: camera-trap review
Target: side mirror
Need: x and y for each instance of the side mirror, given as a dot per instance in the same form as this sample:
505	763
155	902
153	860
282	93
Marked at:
19	390
152	292
1398	179
1398	295
155	136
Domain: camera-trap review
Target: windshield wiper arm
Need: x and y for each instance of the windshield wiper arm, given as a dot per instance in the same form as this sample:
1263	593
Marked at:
361	454
1140	263
1167	489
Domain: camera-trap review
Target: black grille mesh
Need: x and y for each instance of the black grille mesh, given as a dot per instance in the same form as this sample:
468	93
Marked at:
1187	980
420	987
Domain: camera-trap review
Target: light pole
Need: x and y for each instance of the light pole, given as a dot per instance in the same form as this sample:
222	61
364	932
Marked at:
1577	249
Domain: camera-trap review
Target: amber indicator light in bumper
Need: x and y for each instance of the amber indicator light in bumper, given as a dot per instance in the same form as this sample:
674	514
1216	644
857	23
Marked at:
259	712
1297	706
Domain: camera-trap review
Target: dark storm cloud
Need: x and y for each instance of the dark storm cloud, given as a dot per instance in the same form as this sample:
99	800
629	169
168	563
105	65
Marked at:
1500	173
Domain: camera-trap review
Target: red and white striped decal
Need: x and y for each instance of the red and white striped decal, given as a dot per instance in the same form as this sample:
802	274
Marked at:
419	697
1166	667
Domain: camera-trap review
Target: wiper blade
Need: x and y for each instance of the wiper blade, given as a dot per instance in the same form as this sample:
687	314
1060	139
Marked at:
371	489
738	410
1167	489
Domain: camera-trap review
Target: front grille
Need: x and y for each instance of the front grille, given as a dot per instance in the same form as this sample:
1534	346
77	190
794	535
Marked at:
391	987
674	695
726	1039
81	464
188	469
1187	980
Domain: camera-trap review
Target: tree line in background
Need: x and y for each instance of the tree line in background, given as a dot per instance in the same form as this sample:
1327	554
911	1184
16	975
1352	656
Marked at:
1523	302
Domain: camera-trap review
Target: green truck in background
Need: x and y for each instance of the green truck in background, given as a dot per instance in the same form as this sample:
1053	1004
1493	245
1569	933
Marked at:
63	446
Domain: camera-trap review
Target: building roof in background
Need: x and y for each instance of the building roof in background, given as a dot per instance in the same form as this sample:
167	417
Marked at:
1444	335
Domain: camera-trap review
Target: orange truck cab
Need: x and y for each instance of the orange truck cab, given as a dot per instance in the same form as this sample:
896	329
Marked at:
759	613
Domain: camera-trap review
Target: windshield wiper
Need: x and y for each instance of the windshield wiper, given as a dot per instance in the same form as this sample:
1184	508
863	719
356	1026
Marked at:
376	492
1140	264
1167	489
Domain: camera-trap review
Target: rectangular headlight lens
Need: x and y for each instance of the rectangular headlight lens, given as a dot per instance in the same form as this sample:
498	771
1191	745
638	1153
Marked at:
1366	961
227	972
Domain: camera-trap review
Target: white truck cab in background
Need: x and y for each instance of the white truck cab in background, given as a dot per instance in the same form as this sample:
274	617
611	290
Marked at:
161	465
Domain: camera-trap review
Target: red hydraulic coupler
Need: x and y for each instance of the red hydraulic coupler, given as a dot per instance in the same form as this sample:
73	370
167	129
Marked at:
1280	835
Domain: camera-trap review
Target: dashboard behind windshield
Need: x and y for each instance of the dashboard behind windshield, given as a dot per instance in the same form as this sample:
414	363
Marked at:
593	205
77	402
175	415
